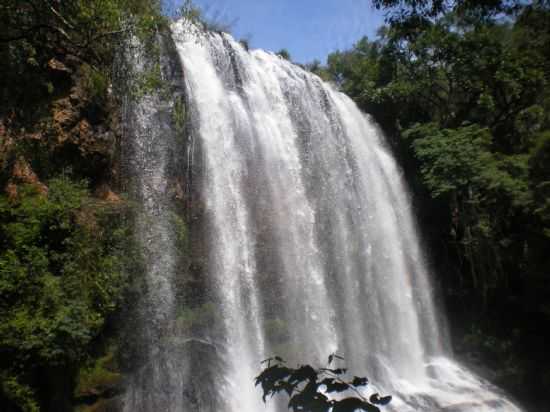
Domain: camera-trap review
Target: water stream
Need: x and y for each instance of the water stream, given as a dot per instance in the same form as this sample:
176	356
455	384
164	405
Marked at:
311	244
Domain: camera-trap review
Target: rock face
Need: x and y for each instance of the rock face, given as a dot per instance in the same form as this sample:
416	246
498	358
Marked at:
23	174
76	131
73	126
105	193
100	387
59	68
73	131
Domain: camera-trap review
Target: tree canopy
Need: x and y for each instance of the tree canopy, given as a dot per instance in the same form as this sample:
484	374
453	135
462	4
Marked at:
461	89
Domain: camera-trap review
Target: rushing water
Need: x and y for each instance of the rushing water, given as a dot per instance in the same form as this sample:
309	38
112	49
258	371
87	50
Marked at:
311	245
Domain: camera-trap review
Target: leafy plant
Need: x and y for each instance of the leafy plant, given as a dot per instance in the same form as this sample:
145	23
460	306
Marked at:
317	390
211	21
284	54
61	277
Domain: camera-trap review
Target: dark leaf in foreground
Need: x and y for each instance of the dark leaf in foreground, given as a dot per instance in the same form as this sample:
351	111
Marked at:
334	386
377	400
352	405
309	389
357	381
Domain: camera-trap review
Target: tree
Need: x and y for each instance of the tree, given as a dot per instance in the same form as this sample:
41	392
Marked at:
317	390
61	277
81	28
285	54
40	39
407	11
461	89
208	19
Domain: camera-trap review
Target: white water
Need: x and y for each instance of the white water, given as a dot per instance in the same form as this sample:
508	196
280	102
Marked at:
158	385
312	244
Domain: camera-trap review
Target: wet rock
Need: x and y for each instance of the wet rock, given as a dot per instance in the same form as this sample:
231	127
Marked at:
104	405
56	66
105	193
11	191
6	145
64	114
22	174
99	387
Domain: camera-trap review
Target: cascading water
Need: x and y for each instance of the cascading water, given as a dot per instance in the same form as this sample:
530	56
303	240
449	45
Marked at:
311	244
149	158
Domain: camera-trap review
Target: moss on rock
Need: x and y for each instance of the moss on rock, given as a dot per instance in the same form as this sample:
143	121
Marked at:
100	379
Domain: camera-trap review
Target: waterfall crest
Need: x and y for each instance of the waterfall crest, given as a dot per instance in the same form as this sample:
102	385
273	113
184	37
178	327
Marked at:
311	245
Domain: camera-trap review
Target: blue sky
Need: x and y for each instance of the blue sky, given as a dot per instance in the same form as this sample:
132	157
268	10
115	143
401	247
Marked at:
308	29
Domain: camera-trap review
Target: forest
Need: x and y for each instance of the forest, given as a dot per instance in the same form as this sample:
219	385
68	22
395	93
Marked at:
462	91
460	88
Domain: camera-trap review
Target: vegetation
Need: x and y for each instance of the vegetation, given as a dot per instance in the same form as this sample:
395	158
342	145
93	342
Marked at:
317	390
213	21
284	54
60	278
460	87
35	35
462	90
65	243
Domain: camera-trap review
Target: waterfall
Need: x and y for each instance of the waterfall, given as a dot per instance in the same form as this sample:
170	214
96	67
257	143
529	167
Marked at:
305	235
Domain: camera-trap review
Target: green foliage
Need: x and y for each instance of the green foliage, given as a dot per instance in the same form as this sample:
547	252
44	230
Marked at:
181	232
407	13
61	276
285	54
179	115
539	171
317	390
95	83
148	82
100	375
84	28
63	256
19	394
200	16
190	11
461	88
468	95
451	160
460	162
75	32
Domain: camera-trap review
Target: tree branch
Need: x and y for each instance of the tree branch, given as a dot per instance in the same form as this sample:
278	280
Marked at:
58	15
